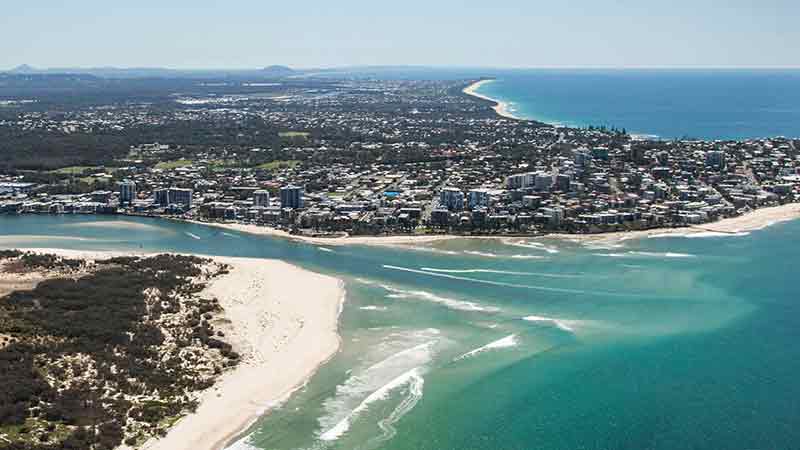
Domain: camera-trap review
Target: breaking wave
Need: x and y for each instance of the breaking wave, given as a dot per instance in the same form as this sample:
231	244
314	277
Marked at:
533	245
401	369
717	234
702	234
601	245
501	272
561	324
508	341
430	250
461	305
373	308
633	254
193	236
512	285
495	255
412	378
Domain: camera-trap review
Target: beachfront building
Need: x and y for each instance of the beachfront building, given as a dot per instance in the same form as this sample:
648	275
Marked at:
478	198
554	215
100	196
173	196
182	197
292	197
261	198
452	199
127	192
161	197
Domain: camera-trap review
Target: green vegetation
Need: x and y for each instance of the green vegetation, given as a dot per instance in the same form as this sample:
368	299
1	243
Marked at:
221	164
50	432
110	353
276	165
76	170
169	165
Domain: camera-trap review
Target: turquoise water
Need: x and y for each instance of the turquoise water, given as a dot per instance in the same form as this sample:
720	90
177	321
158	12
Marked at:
668	343
708	104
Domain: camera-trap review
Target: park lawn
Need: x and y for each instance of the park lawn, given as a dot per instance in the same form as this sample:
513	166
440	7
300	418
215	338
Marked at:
220	164
280	164
76	170
169	165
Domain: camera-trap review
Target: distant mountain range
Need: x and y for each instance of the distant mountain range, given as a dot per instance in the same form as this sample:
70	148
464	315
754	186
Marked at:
273	71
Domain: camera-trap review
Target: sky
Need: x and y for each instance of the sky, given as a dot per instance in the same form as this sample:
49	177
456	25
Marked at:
331	33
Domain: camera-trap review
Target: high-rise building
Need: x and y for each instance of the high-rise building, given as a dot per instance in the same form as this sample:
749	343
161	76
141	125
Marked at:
582	157
478	198
562	182
555	215
161	197
261	198
440	217
716	159
452	199
520	180
292	197
183	197
173	196
543	181
127	192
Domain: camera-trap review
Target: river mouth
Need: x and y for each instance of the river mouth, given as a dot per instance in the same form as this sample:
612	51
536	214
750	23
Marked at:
491	344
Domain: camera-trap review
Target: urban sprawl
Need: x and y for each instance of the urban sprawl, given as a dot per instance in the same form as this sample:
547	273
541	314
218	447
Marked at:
369	157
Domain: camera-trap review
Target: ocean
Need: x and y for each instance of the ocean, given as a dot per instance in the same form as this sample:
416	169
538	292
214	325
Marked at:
704	104
656	343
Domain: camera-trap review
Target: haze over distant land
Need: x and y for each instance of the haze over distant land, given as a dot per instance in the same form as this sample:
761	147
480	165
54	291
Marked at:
276	71
243	34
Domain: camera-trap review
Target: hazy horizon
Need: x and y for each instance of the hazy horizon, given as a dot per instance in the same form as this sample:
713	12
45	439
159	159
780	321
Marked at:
197	35
393	66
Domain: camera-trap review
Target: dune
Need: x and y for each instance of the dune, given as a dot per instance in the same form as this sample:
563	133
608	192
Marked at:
281	319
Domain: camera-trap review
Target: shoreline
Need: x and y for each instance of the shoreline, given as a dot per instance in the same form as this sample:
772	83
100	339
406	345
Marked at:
264	323
270	329
748	222
500	107
267	231
755	220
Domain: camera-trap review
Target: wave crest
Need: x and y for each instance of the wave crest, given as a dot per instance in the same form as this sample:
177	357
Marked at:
508	341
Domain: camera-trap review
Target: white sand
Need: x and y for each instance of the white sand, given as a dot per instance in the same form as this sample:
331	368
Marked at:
282	319
123	224
343	240
501	108
754	220
751	221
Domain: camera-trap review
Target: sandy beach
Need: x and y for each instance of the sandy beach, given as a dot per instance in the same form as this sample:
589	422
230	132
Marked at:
752	221
282	319
501	108
335	241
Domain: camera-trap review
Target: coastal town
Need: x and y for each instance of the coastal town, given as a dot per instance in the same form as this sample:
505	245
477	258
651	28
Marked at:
378	158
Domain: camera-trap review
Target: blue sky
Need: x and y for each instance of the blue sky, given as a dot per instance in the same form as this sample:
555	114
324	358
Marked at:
314	33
